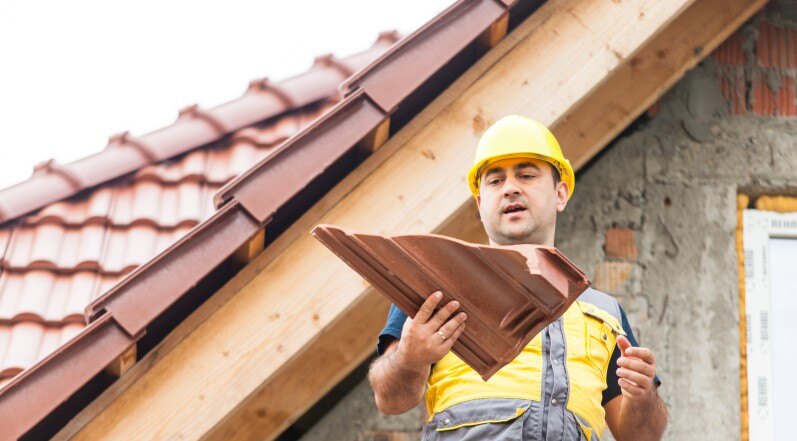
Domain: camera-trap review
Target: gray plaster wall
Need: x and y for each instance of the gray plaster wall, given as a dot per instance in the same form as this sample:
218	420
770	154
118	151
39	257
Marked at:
673	180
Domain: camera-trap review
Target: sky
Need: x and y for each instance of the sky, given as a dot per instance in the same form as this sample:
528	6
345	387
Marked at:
74	73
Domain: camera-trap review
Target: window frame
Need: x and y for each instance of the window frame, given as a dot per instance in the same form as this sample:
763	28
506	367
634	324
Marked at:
759	227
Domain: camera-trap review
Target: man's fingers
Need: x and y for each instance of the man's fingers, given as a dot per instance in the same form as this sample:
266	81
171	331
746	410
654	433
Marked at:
637	378
630	388
453	339
443	314
637	365
451	326
623	344
427	308
643	354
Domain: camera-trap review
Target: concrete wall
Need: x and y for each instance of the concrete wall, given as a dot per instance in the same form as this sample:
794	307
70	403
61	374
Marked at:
652	221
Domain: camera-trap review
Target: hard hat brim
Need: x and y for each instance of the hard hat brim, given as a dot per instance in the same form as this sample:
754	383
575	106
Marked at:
565	170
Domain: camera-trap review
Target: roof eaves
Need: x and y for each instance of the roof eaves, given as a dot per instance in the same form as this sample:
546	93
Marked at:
76	362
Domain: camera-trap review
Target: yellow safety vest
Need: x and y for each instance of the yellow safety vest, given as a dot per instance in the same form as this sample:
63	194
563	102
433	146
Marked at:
590	333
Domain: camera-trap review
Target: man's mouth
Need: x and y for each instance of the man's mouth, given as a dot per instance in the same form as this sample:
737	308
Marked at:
514	208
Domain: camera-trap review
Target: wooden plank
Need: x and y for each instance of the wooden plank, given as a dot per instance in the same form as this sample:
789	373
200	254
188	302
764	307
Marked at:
248	251
215	375
375	138
497	31
123	363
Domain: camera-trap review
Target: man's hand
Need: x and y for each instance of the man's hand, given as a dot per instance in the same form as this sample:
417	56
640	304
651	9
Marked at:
638	413
637	368
399	376
427	338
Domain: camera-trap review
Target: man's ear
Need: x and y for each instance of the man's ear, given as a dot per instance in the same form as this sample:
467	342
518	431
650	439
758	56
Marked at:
561	196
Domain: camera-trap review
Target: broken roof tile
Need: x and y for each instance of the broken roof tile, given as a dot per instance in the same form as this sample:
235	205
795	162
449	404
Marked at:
530	286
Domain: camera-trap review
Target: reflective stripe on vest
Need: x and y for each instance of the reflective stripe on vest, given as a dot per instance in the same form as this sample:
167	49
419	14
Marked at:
563	367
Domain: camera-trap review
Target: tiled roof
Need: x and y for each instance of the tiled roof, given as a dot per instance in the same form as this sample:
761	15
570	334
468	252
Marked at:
193	128
56	260
376	101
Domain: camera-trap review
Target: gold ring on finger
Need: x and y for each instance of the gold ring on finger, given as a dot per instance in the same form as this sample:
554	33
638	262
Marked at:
441	334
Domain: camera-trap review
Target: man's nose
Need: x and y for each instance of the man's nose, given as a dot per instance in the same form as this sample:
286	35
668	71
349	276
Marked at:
511	187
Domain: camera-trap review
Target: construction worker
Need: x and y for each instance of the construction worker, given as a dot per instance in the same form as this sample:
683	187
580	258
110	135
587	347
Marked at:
582	372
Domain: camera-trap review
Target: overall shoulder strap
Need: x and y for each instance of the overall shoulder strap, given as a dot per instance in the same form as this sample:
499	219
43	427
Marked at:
603	301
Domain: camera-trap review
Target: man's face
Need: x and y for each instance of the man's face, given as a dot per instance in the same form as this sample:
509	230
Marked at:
518	201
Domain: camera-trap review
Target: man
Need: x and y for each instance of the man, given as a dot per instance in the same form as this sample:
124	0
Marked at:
582	372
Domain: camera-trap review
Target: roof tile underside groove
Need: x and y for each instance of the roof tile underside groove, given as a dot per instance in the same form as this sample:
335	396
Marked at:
60	258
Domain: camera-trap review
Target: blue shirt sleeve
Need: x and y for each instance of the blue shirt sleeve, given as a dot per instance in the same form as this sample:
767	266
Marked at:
392	330
613	387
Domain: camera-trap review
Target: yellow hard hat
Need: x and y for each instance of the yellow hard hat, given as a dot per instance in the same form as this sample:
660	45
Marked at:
515	136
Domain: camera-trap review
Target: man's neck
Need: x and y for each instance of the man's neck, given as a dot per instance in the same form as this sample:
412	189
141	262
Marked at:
548	243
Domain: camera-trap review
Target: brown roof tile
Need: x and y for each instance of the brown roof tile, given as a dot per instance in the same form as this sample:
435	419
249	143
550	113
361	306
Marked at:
25	342
54	246
47	296
532	285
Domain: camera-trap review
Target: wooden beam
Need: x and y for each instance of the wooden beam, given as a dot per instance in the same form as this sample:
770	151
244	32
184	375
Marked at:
222	376
375	138
123	363
585	129
497	31
248	251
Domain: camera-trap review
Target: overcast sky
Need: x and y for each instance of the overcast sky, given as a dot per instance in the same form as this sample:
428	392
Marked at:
74	73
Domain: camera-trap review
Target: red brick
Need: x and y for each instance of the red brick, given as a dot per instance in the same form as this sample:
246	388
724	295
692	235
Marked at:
781	102
776	46
620	244
615	278
762	97
731	51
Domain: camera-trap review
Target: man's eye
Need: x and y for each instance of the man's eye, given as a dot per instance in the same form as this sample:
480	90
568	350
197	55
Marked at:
492	182
527	176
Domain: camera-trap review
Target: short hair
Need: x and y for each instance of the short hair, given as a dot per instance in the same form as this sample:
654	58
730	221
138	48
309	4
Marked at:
555	174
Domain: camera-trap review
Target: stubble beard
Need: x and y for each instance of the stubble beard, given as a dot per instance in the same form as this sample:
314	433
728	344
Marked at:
534	232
